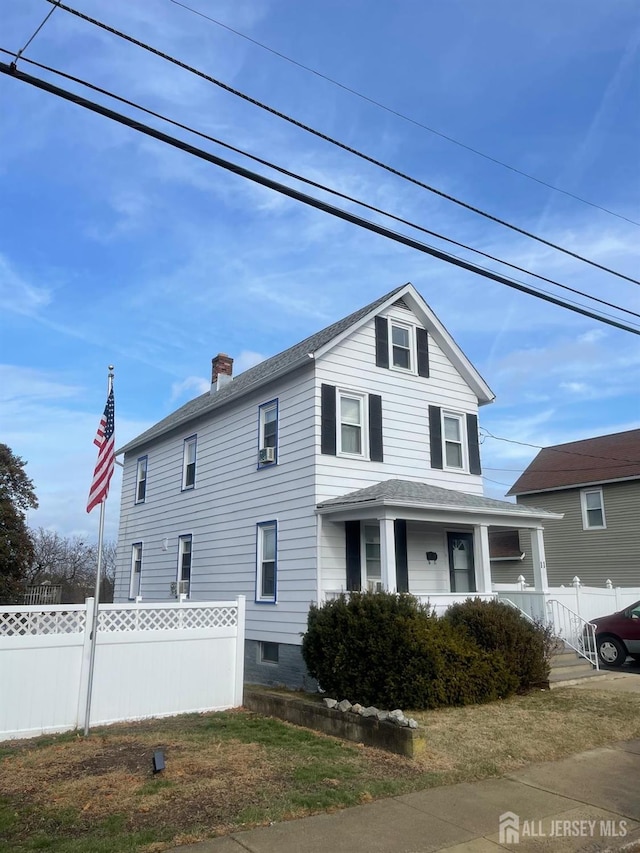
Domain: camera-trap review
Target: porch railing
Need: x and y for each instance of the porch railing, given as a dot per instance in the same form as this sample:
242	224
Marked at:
440	601
575	631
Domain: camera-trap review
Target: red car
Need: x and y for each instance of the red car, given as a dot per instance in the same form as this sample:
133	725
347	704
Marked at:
618	636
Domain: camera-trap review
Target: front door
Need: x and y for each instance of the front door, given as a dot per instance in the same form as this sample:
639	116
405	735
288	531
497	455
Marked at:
461	566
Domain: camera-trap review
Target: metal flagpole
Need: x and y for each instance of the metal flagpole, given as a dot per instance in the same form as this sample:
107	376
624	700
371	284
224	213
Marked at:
96	603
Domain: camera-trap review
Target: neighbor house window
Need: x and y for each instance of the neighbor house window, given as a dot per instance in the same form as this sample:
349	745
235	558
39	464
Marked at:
266	562
141	480
189	463
268	440
185	551
352	424
592	509
269	652
452	436
401	346
136	570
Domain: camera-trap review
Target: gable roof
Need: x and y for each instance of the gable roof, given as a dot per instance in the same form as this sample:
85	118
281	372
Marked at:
603	459
315	346
409	493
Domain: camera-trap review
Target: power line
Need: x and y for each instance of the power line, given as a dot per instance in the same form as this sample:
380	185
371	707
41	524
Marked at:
401	115
337	143
43	22
317	185
311	201
560	449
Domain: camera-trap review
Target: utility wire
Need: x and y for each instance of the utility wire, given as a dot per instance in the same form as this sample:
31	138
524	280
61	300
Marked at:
404	117
336	142
560	449
46	18
311	201
315	184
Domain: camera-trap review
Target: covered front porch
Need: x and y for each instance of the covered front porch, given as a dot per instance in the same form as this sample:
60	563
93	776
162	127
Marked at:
404	536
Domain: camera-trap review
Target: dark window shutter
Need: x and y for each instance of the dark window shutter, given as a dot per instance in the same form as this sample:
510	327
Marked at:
474	445
382	342
328	419
402	564
352	540
435	436
422	341
375	428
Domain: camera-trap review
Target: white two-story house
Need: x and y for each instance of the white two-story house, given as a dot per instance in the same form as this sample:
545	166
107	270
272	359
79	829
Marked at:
349	461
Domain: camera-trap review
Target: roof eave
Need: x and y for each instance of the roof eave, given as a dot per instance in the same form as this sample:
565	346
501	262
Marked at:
328	509
277	374
582	485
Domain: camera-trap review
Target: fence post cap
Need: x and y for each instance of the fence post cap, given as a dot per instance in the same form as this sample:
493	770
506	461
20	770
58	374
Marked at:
608	583
576	581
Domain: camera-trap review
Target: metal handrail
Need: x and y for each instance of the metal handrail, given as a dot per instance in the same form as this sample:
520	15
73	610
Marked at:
578	633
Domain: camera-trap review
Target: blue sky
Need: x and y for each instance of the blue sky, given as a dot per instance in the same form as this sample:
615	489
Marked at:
117	249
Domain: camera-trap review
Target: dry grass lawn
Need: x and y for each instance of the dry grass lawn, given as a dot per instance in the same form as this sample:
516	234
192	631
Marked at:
233	770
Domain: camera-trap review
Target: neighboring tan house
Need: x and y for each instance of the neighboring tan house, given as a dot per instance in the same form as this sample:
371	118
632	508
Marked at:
595	483
349	461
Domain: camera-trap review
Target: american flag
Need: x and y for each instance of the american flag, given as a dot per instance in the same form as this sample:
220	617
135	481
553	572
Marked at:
105	442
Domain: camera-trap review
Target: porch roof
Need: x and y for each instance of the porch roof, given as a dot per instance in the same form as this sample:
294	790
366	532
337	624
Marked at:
416	496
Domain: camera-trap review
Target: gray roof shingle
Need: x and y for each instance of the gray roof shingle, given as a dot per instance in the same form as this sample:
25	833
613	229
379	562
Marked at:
253	378
409	492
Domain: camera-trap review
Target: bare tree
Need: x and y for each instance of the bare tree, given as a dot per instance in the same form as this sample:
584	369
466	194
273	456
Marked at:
72	563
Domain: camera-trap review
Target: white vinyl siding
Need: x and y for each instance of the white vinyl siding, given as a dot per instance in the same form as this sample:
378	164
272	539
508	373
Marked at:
405	406
231	497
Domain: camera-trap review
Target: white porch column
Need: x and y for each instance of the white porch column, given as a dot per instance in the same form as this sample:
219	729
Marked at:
388	554
482	558
541	582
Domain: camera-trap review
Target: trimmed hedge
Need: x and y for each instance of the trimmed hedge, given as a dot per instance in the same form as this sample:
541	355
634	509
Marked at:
498	627
389	650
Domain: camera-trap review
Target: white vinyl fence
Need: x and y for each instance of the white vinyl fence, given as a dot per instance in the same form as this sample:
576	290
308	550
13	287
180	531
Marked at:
152	660
588	602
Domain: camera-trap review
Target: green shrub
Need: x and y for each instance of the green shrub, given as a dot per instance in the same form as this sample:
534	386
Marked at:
390	651
499	628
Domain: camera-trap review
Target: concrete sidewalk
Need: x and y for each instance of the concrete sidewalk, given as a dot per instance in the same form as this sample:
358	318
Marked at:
584	802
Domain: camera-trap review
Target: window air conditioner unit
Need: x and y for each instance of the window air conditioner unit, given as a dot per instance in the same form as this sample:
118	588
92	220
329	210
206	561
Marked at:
183	587
268	454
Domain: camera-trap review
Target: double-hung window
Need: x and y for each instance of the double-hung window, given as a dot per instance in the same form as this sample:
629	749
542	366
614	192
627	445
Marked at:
453	438
141	480
401	346
189	462
352	431
185	552
266	562
592	503
268	440
136	570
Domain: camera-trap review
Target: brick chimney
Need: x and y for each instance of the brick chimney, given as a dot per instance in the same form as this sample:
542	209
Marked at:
221	371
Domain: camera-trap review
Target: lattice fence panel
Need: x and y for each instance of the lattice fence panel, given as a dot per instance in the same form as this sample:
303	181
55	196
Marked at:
23	623
167	619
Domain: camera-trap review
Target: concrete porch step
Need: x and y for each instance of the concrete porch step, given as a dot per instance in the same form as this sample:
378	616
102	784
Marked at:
568	667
